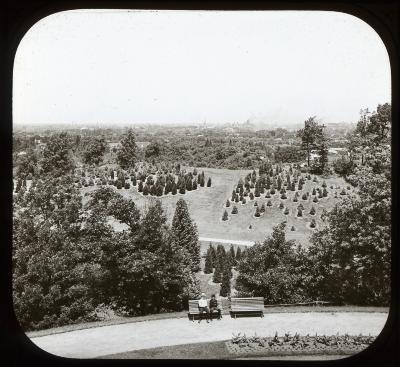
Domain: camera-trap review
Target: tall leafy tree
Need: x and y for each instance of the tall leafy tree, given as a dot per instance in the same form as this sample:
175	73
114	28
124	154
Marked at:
270	270
310	136
94	150
57	159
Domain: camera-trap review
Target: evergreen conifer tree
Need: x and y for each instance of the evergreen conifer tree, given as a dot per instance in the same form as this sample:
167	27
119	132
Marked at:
217	272
208	266
232	256
185	233
225	289
127	154
238	254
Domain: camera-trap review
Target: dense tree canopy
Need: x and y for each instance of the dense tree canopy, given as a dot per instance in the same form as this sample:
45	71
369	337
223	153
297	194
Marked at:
57	159
271	270
94	150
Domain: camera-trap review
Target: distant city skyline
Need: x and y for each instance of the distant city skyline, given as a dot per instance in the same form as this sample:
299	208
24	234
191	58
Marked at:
123	68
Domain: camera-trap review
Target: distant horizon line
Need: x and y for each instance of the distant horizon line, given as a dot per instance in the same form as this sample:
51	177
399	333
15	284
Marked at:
180	124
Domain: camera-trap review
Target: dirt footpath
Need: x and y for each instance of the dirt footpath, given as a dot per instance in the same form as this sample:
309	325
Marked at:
95	342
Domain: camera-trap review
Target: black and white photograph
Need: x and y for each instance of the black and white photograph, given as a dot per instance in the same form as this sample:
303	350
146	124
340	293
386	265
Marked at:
192	184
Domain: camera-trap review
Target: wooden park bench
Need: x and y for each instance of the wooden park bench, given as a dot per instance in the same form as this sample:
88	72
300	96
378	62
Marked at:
194	309
253	306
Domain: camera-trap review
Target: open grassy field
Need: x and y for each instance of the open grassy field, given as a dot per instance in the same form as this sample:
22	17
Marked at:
207	204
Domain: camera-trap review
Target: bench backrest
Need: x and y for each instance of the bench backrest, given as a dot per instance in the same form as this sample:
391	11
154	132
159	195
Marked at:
247	304
194	305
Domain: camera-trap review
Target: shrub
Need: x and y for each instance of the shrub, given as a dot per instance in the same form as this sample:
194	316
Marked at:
234	210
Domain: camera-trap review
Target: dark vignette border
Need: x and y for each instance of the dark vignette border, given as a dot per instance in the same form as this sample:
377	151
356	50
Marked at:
17	18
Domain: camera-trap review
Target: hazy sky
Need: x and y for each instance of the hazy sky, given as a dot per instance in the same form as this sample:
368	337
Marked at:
87	67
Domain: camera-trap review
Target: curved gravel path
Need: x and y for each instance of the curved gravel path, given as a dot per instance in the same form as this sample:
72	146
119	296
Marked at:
101	341
233	242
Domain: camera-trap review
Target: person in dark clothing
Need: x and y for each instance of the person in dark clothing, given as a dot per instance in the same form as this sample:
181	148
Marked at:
214	306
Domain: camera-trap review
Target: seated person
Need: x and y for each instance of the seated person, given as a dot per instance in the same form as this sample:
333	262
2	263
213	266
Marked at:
203	307
215	306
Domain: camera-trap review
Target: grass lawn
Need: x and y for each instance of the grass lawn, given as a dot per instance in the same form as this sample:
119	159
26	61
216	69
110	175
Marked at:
215	350
207	204
212	350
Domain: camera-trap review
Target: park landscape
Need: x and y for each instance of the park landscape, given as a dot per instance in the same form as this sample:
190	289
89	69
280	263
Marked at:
117	225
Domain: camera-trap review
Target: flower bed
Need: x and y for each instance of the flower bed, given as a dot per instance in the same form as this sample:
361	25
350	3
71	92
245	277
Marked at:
296	345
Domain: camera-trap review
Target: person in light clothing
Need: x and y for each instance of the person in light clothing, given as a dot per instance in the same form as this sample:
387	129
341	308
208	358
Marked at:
203	307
